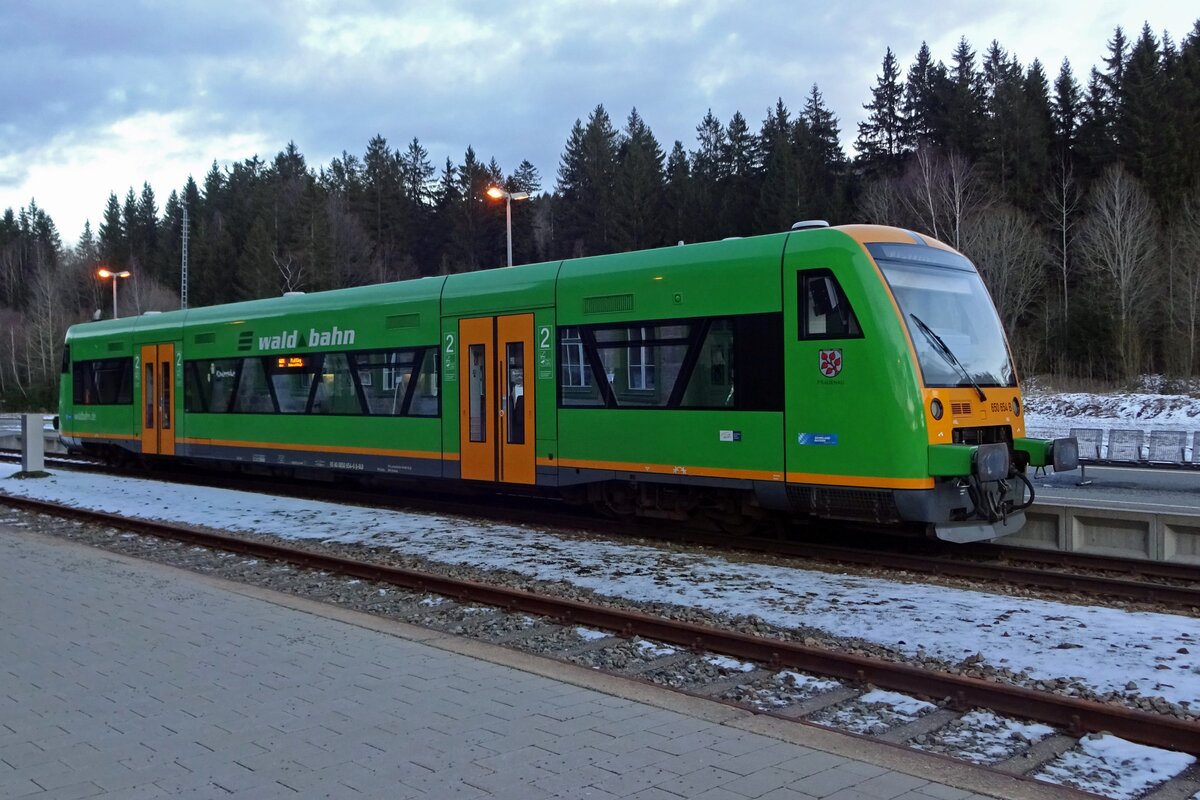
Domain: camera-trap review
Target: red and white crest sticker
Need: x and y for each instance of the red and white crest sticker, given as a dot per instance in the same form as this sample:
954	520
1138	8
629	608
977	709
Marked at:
831	363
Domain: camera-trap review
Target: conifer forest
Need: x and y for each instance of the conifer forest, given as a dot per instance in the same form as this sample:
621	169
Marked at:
1075	191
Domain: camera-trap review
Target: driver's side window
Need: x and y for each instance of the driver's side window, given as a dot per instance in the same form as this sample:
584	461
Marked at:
824	311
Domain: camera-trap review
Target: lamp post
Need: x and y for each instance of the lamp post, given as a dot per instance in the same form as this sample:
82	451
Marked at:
495	192
105	272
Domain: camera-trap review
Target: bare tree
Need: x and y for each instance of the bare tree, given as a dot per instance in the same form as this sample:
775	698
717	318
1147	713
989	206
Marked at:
962	196
1184	249
942	193
880	203
1062	201
292	272
1010	253
1119	240
46	325
144	293
921	193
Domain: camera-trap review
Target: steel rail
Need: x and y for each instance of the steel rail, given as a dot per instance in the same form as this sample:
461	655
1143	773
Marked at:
1076	715
954	567
974	562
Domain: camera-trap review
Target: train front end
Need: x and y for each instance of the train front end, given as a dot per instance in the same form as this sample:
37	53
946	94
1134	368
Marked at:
970	402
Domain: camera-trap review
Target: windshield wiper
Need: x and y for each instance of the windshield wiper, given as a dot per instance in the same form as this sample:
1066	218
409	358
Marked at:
945	352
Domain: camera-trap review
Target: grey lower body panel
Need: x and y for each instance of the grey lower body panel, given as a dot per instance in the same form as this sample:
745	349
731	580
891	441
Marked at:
347	463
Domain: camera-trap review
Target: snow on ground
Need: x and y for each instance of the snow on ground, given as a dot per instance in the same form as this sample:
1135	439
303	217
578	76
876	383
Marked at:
873	713
731	664
1055	414
983	737
1113	767
900	703
654	649
591	635
1159	654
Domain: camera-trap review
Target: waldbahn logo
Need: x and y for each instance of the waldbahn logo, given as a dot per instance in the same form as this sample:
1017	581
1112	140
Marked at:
831	363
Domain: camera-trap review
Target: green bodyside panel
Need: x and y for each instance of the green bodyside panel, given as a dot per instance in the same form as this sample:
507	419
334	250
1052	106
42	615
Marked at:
544	374
684	439
950	460
415	434
92	341
386	316
494	292
450	386
738	276
868	420
1040	451
389	315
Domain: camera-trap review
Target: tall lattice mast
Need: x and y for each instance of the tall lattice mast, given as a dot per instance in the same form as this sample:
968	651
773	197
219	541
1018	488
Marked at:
183	259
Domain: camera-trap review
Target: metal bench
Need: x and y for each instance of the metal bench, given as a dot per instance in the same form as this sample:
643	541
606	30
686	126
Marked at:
1125	445
1091	443
1168	447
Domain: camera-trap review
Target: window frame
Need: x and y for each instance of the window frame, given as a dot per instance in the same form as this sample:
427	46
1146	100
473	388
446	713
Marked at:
747	327
854	327
123	395
414	367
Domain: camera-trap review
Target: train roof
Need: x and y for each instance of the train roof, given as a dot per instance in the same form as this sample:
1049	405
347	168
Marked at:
732	272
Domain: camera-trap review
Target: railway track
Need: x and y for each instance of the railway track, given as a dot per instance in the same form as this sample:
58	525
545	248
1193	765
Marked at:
1152	582
960	693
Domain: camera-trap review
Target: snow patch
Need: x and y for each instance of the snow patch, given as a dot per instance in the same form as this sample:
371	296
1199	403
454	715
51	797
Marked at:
731	664
1113	767
983	737
654	649
589	635
900	703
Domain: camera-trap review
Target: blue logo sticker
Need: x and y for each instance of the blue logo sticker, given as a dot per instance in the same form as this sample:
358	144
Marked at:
818	438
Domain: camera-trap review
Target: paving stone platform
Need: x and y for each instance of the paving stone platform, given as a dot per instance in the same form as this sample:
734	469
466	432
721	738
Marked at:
126	679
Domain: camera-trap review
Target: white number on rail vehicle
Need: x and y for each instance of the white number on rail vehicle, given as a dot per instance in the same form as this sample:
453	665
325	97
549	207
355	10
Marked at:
544	332
449	343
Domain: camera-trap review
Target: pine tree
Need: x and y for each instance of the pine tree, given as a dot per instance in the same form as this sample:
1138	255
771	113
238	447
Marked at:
778	200
638	188
1144	119
822	158
145	243
709	172
880	142
585	183
1065	108
965	104
739	192
924	100
679	200
113	245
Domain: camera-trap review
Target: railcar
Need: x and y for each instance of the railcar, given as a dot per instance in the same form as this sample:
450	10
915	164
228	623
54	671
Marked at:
856	372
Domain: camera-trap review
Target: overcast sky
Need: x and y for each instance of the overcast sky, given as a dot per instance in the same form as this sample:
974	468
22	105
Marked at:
97	97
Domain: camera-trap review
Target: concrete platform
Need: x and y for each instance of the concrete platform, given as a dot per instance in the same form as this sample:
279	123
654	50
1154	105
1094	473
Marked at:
126	679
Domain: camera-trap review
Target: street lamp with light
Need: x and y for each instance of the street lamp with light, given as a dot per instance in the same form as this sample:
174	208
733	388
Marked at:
496	193
105	272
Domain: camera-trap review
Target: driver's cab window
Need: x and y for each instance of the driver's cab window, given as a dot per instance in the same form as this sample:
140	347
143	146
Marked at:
824	311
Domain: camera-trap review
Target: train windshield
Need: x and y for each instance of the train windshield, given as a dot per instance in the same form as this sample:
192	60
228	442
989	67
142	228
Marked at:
950	316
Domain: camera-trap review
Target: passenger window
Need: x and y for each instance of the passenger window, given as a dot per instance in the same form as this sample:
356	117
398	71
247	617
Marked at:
824	311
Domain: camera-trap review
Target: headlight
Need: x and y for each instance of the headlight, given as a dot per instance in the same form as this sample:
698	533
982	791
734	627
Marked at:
1016	406
992	462
1064	454
935	408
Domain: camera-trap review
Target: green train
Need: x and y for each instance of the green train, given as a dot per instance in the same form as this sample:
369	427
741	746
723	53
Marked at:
856	372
